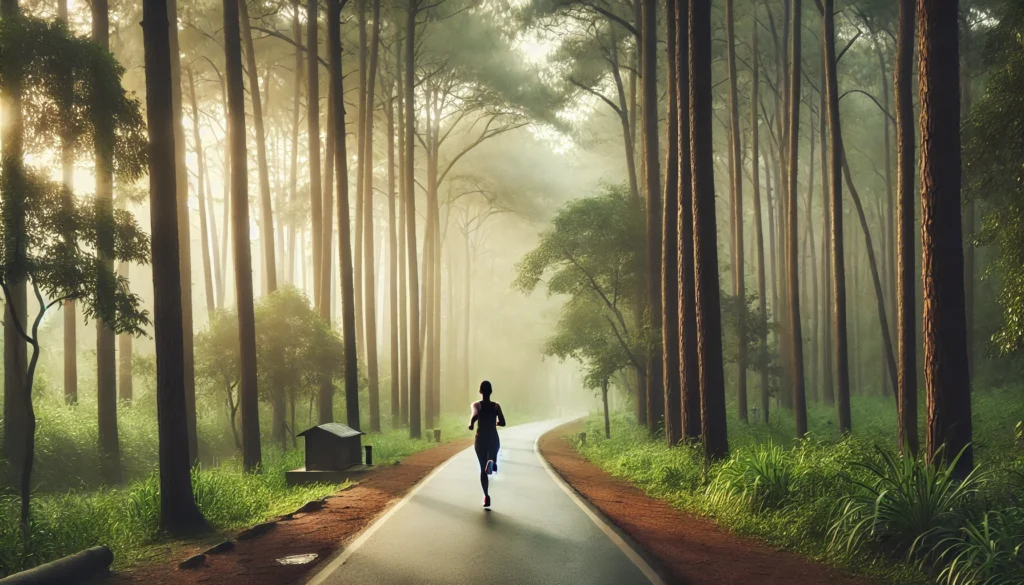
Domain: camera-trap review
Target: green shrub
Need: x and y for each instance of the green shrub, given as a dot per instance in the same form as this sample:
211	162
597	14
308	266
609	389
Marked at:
989	552
904	505
762	477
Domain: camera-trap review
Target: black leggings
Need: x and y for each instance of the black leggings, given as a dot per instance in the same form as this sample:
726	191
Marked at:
486	450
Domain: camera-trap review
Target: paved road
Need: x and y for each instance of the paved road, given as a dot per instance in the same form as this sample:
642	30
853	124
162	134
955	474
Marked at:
534	533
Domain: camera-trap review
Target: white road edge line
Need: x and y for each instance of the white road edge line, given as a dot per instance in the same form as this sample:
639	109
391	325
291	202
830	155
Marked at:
349	550
601	523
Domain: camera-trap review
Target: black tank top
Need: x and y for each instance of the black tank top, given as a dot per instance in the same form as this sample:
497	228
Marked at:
487	417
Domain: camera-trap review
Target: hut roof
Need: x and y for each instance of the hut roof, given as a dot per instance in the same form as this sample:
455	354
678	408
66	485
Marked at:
337	429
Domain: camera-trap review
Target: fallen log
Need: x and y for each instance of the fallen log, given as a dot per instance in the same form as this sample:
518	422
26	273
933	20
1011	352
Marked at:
76	568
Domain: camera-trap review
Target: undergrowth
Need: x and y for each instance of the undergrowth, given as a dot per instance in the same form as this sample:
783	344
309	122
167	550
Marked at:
850	501
72	510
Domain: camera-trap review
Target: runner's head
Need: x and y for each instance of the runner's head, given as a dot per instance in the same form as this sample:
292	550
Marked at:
485	389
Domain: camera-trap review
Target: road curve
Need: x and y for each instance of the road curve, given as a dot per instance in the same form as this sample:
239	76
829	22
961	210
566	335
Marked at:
535	532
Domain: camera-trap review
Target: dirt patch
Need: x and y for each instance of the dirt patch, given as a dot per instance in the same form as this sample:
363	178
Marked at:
254	562
695	550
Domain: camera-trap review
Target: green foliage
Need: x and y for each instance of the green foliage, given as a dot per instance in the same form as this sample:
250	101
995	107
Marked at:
986	553
49	238
994	157
904	505
295	349
127	520
762	477
593	253
72	91
841	499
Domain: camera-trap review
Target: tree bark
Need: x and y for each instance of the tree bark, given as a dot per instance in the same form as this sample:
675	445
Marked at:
266	212
179	514
689	370
348	309
946	376
362	169
842	363
184	235
669	248
313	135
652	178
708	302
393	285
369	298
827	386
755	167
293	175
739	283
903	75
106	366
410	218
247	386
403	272
795	327
204	234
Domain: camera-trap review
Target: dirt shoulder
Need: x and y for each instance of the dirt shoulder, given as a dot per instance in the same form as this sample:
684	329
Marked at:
254	561
695	550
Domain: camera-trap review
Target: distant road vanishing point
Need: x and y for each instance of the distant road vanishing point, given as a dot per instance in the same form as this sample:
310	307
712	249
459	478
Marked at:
537	532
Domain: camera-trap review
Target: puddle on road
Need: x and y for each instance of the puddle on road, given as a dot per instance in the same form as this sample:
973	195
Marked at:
298	559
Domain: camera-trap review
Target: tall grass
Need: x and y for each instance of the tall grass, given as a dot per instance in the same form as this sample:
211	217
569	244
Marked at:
73	510
851	500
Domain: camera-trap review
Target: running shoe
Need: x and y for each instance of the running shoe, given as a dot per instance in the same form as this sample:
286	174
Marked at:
487	501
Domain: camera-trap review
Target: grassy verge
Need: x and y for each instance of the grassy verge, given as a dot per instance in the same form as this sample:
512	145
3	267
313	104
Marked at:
127	519
842	500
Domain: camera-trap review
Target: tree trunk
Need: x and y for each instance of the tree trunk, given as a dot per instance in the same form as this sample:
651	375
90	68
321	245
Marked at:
689	374
15	348
362	169
708	301
604	400
204	234
739	284
248	393
842	363
348	310
652	178
946	376
179	514
211	212
266	212
887	248
293	174
827	390
369	298
106	367
755	166
313	135
70	320
403	272
669	273
410	218
184	237
795	328
393	227
903	75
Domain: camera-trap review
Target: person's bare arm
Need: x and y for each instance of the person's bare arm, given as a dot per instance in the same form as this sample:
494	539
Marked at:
476	415
501	417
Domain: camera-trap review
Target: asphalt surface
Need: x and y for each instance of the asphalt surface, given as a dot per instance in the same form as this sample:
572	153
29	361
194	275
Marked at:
533	533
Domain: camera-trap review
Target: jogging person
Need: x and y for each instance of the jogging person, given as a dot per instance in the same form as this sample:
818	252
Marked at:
488	417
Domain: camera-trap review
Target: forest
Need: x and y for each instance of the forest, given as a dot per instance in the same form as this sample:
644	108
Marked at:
775	248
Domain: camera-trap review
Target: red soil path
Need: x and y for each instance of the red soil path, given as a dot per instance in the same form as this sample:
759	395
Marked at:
326	531
694	550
